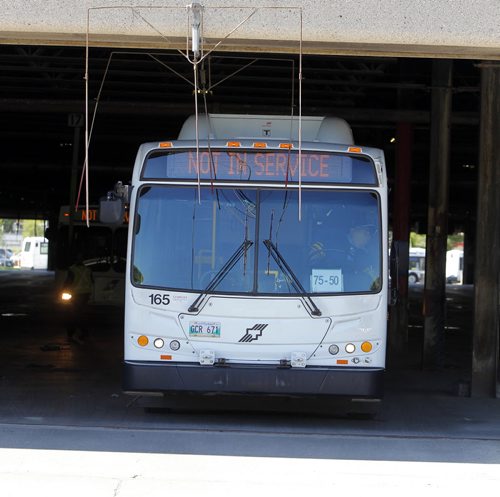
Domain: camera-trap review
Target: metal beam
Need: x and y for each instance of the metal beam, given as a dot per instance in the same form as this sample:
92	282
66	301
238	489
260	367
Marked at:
398	329
487	284
25	105
437	227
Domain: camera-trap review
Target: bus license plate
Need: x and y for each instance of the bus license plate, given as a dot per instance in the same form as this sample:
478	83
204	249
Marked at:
202	329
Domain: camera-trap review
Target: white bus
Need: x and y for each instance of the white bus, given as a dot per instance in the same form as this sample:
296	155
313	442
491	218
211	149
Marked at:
416	268
243	277
103	249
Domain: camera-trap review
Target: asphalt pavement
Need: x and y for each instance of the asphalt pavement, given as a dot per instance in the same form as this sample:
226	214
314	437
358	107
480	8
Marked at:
62	402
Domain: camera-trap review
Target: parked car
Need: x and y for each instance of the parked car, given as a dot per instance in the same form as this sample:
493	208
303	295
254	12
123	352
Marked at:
6	257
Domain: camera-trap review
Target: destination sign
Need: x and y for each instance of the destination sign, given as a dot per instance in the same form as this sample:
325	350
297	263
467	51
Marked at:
273	166
80	216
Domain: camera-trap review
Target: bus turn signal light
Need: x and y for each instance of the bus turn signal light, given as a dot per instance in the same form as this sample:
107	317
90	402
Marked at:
143	340
366	347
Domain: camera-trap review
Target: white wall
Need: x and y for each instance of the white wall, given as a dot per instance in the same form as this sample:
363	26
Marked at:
455	28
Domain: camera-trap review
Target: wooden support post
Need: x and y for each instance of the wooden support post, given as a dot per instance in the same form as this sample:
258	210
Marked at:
487	293
398	326
437	224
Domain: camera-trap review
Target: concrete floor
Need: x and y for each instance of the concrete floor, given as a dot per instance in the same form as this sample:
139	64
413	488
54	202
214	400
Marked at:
58	396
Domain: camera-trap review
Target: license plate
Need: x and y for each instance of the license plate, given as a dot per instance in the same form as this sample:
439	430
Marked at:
202	329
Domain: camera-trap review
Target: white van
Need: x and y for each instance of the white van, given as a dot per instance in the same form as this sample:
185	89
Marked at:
455	266
35	252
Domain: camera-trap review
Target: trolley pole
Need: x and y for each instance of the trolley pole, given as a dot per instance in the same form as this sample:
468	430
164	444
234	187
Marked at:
76	122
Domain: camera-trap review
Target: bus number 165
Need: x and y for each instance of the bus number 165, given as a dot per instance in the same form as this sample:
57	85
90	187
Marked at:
159	299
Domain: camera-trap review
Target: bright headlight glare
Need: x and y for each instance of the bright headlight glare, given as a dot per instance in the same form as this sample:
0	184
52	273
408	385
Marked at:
66	296
159	343
175	345
350	348
333	349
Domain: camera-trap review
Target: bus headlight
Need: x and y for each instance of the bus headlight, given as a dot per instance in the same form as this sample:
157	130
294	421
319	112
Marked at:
333	349
158	343
350	348
66	296
175	345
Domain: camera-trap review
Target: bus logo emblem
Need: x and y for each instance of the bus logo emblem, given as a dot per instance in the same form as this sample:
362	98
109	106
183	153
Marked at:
253	333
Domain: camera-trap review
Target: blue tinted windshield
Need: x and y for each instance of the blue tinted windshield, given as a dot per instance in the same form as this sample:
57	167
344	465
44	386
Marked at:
181	243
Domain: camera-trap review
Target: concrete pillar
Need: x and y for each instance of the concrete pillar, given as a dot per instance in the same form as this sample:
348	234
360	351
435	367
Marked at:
398	326
437	218
487	276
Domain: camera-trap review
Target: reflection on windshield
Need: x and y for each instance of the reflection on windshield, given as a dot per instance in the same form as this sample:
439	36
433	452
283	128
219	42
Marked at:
183	244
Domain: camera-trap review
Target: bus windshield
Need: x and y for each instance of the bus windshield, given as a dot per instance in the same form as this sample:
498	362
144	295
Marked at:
183	244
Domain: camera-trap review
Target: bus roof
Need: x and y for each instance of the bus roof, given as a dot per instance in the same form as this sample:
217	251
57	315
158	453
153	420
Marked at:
261	127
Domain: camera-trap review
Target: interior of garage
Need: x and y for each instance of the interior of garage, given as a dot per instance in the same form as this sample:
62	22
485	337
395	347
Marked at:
145	96
142	100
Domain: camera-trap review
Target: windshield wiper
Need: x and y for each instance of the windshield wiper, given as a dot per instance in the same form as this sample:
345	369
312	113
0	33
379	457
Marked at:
287	270
221	274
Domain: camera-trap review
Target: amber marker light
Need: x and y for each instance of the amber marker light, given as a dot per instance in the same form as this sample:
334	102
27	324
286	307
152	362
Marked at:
166	357
355	150
342	361
143	340
260	145
286	145
233	144
166	145
366	347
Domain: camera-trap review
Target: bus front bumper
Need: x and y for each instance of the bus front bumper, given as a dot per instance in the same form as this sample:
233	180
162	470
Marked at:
161	377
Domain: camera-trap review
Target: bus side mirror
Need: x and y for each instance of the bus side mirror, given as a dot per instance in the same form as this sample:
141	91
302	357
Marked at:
111	211
112	207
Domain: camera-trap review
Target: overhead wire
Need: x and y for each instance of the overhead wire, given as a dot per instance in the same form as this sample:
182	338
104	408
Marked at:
196	60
